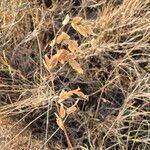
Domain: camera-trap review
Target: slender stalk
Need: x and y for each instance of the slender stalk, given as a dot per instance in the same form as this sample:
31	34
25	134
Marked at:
67	138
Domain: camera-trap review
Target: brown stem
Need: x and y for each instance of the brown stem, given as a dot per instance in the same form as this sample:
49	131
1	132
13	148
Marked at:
68	140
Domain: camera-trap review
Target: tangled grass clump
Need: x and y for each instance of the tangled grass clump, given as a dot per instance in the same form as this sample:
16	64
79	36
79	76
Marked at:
77	76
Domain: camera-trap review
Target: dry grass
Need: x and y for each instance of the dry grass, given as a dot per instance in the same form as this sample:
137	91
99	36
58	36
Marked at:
23	141
115	60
